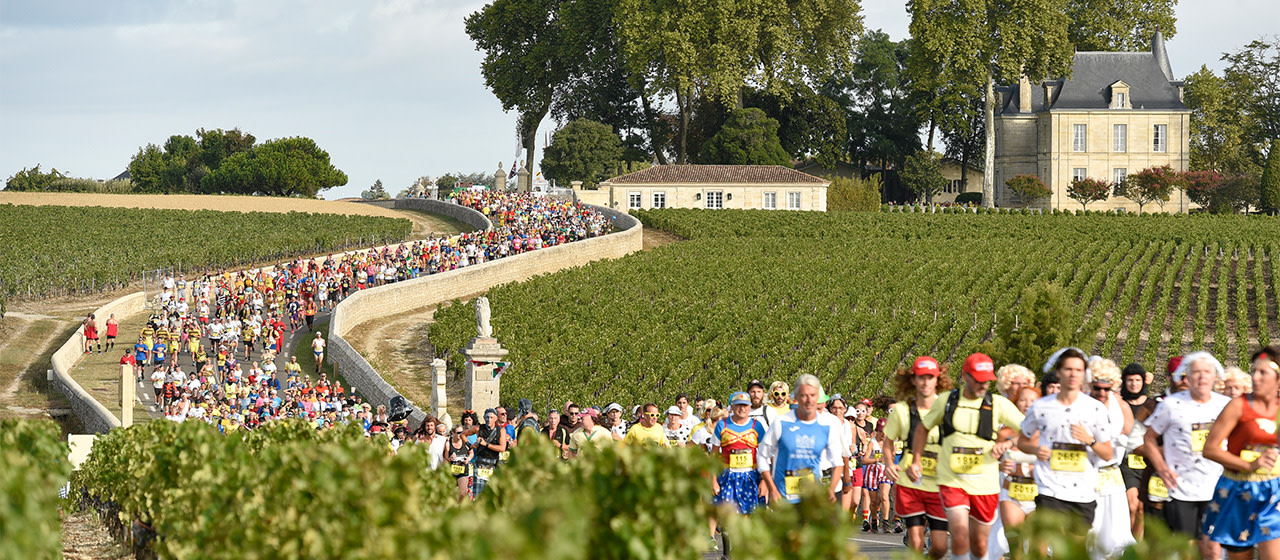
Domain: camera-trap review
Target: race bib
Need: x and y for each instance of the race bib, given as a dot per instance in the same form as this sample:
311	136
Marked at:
1136	462
964	460
1023	488
898	447
929	464
503	456
877	456
1156	488
458	469
792	480
1109	479
740	459
1199	434
1067	457
1251	454
484	472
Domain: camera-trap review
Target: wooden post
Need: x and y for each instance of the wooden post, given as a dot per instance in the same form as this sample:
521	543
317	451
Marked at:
127	395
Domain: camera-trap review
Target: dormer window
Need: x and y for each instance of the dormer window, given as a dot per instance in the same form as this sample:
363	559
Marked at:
1120	96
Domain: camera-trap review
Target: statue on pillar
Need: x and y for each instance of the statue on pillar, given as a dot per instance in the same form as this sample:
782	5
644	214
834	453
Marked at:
483	329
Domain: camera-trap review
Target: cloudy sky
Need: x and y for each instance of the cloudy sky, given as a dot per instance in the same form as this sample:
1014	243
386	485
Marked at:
390	88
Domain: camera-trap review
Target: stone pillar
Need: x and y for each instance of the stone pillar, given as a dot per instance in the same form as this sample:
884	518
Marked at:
500	179
128	392
523	182
439	399
482	388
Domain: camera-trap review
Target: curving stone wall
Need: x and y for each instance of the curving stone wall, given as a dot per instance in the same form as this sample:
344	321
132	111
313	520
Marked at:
464	214
392	299
95	416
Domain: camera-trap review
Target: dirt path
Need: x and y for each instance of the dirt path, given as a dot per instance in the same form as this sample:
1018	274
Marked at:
654	237
426	224
84	537
229	203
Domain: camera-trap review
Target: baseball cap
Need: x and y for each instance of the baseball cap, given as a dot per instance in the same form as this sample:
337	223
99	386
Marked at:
1173	365
866	402
980	366
740	398
674	410
612	407
925	366
756	383
589	412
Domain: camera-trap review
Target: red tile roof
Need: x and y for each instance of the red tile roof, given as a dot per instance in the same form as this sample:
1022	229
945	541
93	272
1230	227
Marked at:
718	174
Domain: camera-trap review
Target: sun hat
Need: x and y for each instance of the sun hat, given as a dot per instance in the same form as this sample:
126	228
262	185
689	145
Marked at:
674	411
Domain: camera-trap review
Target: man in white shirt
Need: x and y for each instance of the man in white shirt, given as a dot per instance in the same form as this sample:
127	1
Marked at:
1184	419
759	409
796	447
1074	435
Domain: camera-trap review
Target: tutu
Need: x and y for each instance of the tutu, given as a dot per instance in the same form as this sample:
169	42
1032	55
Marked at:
741	488
1243	512
1110	529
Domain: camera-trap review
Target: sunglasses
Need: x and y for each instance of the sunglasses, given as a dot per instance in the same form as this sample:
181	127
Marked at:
777	394
1102	389
652	414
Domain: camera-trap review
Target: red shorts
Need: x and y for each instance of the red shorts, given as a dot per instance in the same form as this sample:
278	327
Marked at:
912	502
981	508
857	477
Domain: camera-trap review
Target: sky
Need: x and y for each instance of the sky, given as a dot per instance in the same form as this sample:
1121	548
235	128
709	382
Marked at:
390	88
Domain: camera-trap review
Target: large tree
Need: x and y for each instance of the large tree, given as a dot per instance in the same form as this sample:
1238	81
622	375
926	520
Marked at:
283	167
1223	136
922	173
1119	25
686	48
810	125
582	150
876	96
523	59
986	42
748	137
1254	75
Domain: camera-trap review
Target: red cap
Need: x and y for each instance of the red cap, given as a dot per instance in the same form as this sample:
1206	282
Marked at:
925	366
980	366
1174	363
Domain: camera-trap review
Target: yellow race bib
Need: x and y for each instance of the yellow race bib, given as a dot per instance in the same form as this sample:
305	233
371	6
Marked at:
964	460
1251	454
740	459
1067	457
1156	488
458	469
792	480
1136	462
502	457
1023	488
929	464
1199	434
484	472
1109	479
898	447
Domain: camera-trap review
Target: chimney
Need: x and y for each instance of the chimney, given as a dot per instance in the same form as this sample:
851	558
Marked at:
1024	95
1048	93
1161	56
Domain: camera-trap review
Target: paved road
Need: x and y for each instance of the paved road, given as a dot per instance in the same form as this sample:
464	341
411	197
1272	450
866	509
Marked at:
875	547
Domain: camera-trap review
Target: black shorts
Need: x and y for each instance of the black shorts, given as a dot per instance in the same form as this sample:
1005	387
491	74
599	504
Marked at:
1132	478
1185	517
310	319
922	520
1083	510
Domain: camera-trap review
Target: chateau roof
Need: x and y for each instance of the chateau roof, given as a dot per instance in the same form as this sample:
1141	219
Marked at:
1148	75
717	174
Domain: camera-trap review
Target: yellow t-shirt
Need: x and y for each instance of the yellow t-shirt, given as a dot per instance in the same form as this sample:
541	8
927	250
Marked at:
965	461
899	429
580	440
640	434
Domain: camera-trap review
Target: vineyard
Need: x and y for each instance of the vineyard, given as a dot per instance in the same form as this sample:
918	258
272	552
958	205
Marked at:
848	297
33	464
56	250
287	491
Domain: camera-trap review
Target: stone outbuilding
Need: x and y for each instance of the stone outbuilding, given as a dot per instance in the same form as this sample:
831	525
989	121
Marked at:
767	187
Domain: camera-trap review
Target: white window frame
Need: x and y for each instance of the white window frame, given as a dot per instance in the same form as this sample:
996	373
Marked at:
793	200
713	200
635	200
659	199
1118	175
1160	138
1122	99
1079	138
1079	173
1120	138
769	201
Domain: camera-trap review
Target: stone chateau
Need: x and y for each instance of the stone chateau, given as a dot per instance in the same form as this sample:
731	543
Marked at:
1118	113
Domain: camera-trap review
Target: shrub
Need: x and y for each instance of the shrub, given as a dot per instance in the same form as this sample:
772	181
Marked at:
969	198
853	195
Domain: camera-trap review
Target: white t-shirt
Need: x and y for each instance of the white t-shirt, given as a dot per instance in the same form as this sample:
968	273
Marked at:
767	452
436	449
317	345
1184	423
764	413
1076	479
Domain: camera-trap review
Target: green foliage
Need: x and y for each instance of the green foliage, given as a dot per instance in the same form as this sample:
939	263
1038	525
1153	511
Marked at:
752	294
1029	188
878	101
181	165
854	195
969	198
376	192
810	124
1043	321
448	181
284	167
923	174
1270	193
1254	76
748	137
30	180
584	151
1222	136
1088	190
47	252
33	465
1153	184
1119	25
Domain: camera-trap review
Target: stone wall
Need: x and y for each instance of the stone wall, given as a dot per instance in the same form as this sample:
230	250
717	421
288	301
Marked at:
95	416
426	291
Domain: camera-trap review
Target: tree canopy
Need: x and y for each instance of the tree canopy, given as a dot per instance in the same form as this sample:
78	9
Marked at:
922	173
283	167
748	137
582	150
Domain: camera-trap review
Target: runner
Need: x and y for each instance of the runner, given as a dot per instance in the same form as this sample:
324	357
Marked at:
1134	393
918	502
967	470
1110	533
796	446
459	455
113	329
490	442
735	440
1242	514
590	434
778	401
91	335
648	430
317	348
760	410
